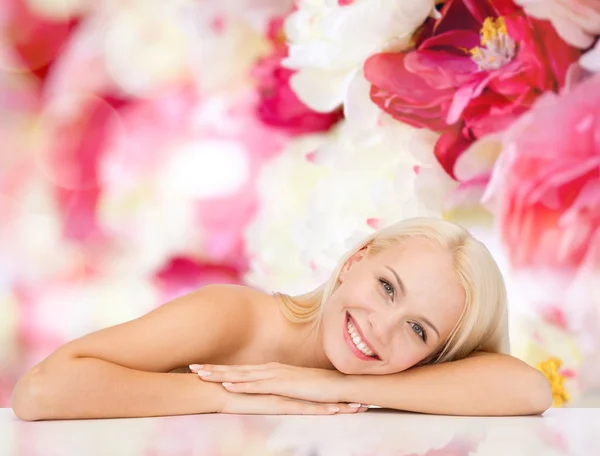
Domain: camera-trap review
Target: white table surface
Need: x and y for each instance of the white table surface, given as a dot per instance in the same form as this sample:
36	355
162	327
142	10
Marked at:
377	432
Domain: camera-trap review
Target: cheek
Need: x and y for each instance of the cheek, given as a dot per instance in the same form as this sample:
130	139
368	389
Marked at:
358	294
406	354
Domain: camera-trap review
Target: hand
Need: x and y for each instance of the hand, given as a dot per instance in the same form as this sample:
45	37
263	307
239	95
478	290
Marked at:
308	384
265	404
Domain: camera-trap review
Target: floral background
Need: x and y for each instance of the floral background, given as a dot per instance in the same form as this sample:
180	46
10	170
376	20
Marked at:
149	148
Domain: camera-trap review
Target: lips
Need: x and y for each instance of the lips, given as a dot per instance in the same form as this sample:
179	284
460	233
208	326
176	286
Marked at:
362	337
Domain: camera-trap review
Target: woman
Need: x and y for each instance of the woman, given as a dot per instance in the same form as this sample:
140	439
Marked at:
413	318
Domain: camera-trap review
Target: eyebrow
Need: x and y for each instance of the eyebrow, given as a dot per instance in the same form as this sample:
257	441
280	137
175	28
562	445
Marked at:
400	284
428	323
403	289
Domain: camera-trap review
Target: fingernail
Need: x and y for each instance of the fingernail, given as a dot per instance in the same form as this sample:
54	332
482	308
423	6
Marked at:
227	384
333	409
196	367
204	373
354	405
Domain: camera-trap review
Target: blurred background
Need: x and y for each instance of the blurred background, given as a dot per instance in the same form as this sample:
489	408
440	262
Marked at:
148	148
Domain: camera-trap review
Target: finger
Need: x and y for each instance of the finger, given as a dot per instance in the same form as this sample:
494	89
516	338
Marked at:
293	407
348	408
233	367
363	408
234	376
256	387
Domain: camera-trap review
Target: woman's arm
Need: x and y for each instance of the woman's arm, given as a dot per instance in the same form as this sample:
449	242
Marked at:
483	384
93	388
126	370
121	371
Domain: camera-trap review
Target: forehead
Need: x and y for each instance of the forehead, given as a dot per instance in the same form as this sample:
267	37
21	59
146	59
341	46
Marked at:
416	253
425	269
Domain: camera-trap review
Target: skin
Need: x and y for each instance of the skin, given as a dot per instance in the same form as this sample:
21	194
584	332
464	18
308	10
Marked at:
126	370
394	320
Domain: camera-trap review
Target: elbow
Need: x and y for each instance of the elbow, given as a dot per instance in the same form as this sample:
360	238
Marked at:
28	398
24	402
540	397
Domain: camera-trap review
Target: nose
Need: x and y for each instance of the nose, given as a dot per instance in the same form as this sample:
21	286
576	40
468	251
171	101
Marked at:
384	324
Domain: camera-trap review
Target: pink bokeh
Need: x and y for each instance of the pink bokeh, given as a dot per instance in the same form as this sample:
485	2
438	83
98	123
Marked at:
100	199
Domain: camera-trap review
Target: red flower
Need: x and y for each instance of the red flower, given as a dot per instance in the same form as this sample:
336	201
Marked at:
473	71
279	105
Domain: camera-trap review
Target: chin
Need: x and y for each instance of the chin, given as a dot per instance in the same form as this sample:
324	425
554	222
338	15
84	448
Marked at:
347	368
344	363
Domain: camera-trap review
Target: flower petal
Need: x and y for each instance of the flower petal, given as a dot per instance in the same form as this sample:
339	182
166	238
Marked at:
359	110
479	158
449	147
456	15
320	90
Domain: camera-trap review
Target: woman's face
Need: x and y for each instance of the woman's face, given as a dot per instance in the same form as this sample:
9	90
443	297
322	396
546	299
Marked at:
392	309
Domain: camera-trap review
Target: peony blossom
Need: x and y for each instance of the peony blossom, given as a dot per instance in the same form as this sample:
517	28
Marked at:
576	21
546	183
329	42
279	105
330	190
472	73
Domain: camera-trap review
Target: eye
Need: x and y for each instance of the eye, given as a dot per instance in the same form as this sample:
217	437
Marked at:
418	329
387	288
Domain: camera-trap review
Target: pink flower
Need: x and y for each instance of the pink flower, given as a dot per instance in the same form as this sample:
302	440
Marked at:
35	40
473	71
279	105
546	183
183	275
576	21
72	159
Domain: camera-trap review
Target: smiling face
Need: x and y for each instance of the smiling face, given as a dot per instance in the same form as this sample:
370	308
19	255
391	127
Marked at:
392	309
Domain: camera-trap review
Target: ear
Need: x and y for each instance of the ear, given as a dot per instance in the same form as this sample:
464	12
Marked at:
355	258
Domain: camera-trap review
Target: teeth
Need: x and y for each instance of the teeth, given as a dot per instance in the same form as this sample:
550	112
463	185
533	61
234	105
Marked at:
358	341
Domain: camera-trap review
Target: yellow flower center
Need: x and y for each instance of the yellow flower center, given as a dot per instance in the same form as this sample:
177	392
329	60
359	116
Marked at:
496	48
550	368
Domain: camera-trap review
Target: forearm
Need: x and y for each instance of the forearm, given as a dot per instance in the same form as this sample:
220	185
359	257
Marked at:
479	386
93	388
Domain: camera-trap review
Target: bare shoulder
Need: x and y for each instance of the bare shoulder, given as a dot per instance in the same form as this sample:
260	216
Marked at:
206	325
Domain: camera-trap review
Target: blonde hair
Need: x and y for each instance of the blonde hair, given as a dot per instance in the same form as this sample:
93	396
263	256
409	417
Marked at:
483	325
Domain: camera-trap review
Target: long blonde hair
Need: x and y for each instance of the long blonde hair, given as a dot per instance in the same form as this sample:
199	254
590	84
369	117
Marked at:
483	324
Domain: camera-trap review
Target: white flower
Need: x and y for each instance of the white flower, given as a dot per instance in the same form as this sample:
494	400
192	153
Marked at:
285	185
329	44
372	184
310	215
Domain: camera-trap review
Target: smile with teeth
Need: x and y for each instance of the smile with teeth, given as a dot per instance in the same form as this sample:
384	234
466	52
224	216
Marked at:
358	342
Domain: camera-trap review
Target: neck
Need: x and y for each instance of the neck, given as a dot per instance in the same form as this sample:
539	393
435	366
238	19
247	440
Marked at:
302	345
305	346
